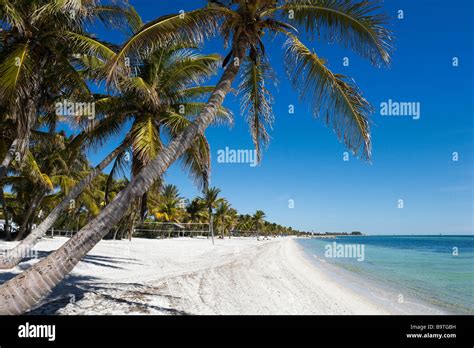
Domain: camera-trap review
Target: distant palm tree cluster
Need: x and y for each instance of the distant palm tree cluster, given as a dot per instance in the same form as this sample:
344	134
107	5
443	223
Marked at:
169	206
157	101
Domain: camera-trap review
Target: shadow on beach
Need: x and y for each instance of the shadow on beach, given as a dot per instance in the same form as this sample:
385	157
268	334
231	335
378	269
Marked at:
82	290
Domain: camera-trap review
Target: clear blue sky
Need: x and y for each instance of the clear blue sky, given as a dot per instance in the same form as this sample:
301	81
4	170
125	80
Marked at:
412	159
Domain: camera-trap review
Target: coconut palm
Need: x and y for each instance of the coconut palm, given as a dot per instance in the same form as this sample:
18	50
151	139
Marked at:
45	54
258	221
210	200
72	184
223	212
169	209
40	40
162	98
232	220
243	24
196	211
49	165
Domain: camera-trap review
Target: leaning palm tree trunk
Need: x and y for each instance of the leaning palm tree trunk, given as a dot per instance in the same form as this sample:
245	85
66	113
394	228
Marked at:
29	213
14	256
21	293
8	159
6	226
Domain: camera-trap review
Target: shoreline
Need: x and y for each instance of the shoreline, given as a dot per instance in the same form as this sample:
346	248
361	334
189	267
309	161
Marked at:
240	276
375	291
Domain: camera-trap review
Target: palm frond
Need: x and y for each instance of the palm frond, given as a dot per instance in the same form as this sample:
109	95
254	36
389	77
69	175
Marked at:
339	102
32	170
117	17
145	138
85	45
191	28
256	100
141	88
9	14
16	72
197	161
187	111
118	168
197	158
188	71
195	93
65	182
356	25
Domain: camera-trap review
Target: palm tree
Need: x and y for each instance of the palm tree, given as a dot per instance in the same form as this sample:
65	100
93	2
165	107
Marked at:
169	209
223	211
196	211
43	54
71	186
164	97
232	219
159	99
258	220
210	200
243	24
39	43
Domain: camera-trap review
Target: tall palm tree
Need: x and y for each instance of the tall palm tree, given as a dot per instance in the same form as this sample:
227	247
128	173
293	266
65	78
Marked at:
243	23
232	220
258	220
210	200
39	40
223	212
196	211
169	209
162	98
71	186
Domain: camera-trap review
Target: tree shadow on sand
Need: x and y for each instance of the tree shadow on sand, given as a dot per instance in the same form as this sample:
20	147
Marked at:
131	297
74	288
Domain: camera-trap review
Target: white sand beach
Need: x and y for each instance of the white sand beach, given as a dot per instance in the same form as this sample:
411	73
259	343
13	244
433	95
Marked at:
191	276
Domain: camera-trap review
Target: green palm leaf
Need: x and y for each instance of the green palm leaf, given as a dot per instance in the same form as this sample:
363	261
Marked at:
340	103
256	100
116	16
15	72
145	138
32	170
10	14
191	28
356	25
83	44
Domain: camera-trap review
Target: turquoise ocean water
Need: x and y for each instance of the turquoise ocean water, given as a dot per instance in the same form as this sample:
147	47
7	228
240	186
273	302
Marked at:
436	270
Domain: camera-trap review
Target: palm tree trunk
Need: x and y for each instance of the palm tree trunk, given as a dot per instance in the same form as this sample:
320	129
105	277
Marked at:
8	159
211	225
29	212
22	292
222	230
12	257
143	206
6	226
